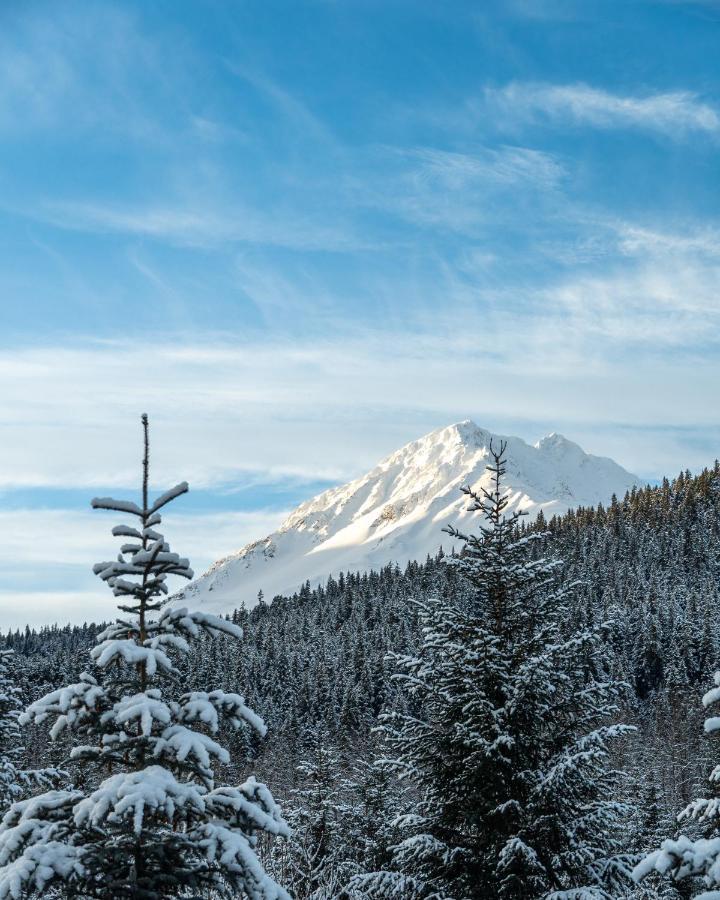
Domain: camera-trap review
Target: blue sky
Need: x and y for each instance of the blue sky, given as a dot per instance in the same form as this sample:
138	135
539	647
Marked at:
300	234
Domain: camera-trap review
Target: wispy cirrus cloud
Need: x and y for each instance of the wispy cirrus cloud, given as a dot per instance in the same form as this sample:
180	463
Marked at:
501	166
669	305
636	239
452	190
73	69
640	339
424	185
675	113
191	225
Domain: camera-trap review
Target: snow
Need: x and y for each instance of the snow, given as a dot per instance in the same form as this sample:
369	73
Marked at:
125	506
685	857
191	623
146	709
26	833
253	803
70	704
204	706
174	492
396	511
38	865
126	531
185	743
135	793
232	849
700	857
113	651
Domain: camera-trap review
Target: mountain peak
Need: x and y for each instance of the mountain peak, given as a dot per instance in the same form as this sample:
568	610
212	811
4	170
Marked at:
468	431
558	442
447	433
396	511
466	434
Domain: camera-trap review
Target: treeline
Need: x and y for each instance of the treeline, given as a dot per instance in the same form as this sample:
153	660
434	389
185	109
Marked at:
637	590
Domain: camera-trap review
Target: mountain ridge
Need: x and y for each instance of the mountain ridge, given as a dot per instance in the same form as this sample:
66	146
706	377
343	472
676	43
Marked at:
395	512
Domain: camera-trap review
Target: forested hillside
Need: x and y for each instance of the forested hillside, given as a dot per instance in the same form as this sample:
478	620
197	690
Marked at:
318	667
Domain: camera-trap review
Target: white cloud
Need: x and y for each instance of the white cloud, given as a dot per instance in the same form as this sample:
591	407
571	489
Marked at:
507	165
457	191
425	185
637	240
304	123
191	225
626	347
667	305
675	113
625	362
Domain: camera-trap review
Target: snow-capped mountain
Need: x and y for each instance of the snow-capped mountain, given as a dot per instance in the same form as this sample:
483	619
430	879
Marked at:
396	512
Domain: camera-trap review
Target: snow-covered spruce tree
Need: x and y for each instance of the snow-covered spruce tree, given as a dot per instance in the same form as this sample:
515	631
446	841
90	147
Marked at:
16	781
313	859
504	748
339	823
152	823
687	858
371	796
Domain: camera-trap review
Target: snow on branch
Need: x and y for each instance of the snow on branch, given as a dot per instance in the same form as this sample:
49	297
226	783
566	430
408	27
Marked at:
72	705
39	864
233	849
174	492
133	794
144	709
123	506
192	623
31	857
699	857
252	803
129	651
205	706
126	531
185	743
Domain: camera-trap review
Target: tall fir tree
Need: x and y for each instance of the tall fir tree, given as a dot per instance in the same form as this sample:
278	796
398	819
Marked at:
152	822
504	747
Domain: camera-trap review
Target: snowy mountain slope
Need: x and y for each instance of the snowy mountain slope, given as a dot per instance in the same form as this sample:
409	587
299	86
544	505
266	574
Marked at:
395	512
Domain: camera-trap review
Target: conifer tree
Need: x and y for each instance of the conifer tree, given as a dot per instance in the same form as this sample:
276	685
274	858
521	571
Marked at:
152	822
316	812
651	820
370	796
698	859
504	748
15	780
